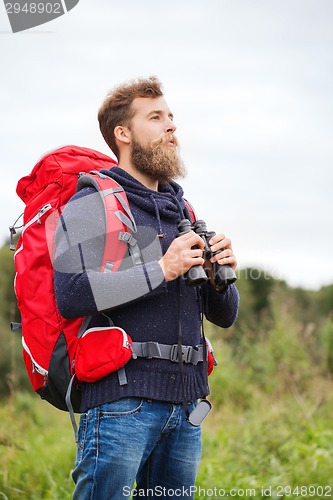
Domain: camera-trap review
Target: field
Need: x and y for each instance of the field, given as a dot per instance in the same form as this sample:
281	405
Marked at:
255	445
270	434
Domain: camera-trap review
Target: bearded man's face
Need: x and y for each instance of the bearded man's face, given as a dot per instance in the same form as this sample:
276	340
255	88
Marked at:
154	147
159	160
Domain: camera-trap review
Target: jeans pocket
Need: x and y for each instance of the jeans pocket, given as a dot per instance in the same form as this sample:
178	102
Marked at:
124	407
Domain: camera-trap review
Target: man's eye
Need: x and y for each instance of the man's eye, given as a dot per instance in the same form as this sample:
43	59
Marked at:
155	117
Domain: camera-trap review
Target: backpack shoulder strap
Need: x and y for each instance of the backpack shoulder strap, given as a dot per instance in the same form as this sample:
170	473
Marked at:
189	211
119	221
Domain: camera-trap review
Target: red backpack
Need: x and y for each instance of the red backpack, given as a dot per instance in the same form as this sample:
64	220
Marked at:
57	351
50	342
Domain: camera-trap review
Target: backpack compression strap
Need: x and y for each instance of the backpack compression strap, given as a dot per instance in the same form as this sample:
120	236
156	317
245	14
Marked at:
119	221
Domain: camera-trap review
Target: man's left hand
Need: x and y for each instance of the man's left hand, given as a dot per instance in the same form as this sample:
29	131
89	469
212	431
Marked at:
225	256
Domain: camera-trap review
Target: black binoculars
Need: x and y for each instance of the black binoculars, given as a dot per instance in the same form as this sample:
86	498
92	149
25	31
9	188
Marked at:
197	275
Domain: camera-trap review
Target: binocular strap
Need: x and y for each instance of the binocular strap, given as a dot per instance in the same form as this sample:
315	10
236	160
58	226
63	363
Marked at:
202	409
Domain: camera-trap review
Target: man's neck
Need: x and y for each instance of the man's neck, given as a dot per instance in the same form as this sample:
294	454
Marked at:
139	176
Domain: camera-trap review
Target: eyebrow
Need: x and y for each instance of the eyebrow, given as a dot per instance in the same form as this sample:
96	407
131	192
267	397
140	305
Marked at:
160	112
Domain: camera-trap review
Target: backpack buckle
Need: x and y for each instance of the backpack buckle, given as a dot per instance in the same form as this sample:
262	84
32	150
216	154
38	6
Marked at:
151	350
127	238
189	354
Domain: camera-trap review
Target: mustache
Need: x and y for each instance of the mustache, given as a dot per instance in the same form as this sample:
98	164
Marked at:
164	139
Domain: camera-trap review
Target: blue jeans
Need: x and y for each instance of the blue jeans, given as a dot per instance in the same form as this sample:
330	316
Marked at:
135	440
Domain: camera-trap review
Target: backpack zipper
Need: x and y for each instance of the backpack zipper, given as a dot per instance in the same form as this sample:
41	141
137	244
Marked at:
35	366
126	342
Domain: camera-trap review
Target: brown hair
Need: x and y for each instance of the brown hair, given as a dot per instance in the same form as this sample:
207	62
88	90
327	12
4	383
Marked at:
117	106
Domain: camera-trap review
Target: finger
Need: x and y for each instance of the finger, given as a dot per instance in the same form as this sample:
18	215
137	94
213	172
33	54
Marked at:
196	252
221	244
188	261
226	252
228	260
193	239
216	238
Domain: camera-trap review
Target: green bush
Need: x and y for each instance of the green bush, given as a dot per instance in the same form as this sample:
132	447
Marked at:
271	392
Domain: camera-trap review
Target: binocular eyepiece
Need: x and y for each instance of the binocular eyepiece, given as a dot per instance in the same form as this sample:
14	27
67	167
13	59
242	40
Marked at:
197	275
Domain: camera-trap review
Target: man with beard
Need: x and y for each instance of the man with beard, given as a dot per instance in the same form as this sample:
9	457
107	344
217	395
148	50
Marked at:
134	427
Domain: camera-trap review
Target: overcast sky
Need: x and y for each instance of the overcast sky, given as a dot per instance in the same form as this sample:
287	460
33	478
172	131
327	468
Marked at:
250	84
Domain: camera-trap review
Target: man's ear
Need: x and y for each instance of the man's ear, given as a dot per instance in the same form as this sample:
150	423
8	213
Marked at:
122	134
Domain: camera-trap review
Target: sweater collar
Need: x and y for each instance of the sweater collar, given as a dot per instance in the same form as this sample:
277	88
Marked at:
166	203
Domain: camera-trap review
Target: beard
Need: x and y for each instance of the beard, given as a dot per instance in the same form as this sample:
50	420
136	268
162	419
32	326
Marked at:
158	161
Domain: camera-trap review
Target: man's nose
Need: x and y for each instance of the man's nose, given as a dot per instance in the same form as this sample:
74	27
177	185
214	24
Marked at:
170	126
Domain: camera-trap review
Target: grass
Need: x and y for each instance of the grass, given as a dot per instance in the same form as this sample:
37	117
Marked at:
273	443
270	433
37	450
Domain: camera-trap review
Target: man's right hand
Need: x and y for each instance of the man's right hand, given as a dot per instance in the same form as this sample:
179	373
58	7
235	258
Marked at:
181	255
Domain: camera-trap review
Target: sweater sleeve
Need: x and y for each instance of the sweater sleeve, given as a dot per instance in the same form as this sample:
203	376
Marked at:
80	288
220	308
